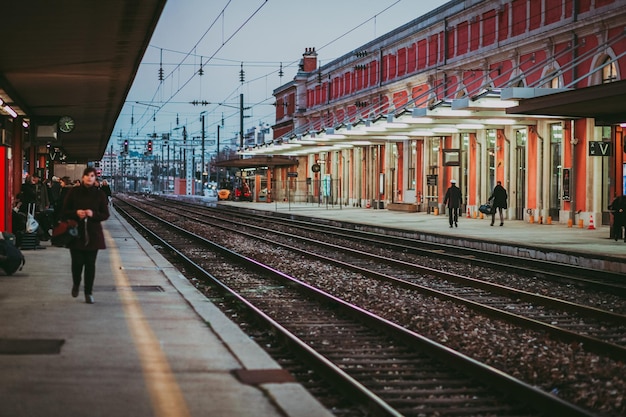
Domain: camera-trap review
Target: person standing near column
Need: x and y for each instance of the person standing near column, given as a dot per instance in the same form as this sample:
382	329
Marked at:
453	200
499	197
89	206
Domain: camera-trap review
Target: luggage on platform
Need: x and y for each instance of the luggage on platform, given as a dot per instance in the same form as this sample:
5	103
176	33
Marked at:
26	241
11	258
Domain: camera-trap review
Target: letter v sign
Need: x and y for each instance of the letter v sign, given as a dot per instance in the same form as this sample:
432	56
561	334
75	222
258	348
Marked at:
605	148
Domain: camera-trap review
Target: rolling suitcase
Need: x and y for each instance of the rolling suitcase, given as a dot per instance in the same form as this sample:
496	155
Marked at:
26	241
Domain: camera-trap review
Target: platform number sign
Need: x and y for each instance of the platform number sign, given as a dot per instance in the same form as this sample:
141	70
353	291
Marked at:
600	148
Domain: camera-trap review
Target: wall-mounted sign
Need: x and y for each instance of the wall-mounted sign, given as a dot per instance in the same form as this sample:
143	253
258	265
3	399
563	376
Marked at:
600	149
566	184
451	157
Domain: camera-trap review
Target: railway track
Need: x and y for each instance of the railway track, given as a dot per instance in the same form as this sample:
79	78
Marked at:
389	369
586	278
600	331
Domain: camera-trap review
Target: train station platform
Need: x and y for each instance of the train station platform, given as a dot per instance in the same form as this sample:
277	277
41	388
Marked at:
557	242
151	345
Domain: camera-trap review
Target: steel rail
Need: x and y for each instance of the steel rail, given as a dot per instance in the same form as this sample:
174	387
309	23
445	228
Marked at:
528	394
599	346
559	271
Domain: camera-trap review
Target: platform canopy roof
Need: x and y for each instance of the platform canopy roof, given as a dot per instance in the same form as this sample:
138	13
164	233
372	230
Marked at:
258	161
605	102
73	58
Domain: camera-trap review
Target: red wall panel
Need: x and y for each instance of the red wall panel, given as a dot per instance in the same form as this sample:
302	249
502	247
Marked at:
385	68
503	22
472	80
418	94
400	98
489	27
411	58
475	35
450	37
554	9
536	14
433	45
373	73
462	31
393	67
401	62
422	50
519	17
602	3
584	6
347	83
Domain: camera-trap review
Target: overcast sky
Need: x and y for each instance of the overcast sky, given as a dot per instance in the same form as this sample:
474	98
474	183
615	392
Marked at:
220	35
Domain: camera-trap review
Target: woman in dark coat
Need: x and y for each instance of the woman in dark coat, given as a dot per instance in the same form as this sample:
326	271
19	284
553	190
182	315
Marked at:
88	205
499	198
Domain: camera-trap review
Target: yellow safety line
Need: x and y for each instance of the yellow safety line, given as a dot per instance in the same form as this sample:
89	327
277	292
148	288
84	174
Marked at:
167	398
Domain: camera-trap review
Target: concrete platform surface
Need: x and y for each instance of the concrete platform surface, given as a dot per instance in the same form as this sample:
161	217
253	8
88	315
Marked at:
151	345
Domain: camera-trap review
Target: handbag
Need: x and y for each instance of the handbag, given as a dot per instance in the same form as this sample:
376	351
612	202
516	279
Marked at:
485	208
64	233
31	224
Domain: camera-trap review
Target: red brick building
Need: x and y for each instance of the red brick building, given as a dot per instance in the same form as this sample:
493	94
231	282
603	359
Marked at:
438	99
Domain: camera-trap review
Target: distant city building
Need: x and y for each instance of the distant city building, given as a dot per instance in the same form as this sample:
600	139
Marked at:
259	134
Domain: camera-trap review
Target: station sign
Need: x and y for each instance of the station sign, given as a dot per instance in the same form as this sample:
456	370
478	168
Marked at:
600	148
292	174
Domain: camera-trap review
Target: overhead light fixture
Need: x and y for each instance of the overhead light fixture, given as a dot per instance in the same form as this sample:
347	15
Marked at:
10	111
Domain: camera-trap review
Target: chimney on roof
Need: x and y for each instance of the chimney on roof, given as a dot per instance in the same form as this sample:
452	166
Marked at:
309	60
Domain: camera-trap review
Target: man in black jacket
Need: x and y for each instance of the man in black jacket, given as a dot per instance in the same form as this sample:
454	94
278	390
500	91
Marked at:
498	197
453	200
618	206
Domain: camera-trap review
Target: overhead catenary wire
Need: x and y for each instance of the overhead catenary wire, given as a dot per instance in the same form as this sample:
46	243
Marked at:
214	61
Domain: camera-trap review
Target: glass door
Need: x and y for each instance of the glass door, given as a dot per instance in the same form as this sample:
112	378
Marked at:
556	170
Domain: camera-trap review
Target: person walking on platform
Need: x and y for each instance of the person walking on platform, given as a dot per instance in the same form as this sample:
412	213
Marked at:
89	206
107	190
618	206
498	197
453	200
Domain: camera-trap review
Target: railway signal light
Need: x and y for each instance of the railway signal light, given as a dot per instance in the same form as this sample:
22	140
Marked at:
149	147
126	146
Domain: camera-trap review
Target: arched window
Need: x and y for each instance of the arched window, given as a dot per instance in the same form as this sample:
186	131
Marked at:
609	71
554	81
